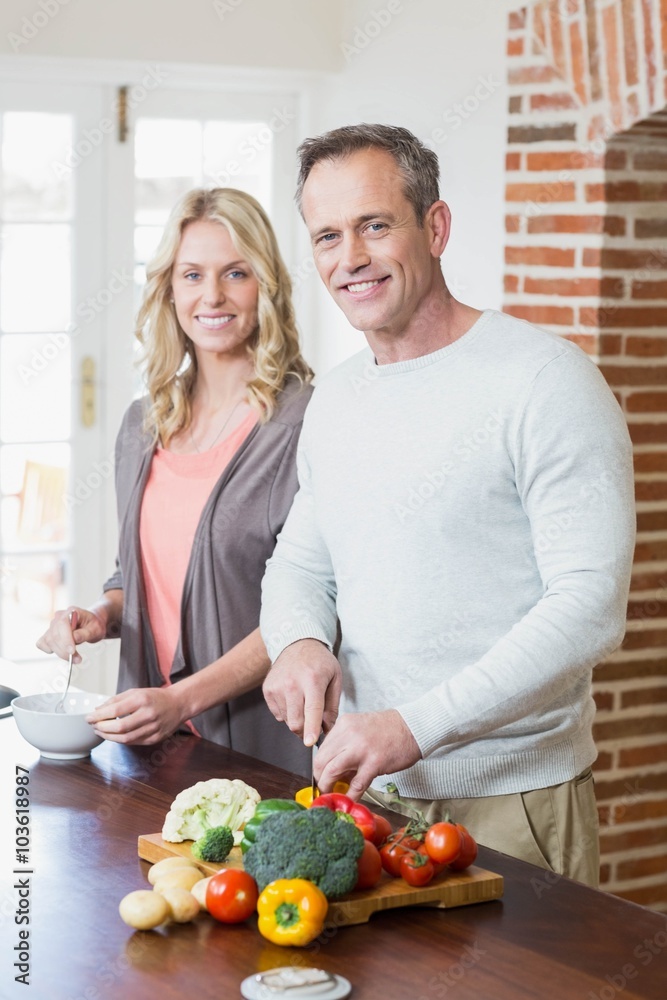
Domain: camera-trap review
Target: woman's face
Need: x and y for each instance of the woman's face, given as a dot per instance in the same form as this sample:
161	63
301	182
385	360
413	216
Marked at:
214	290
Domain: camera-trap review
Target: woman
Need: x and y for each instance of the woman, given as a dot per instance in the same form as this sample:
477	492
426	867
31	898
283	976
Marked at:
205	476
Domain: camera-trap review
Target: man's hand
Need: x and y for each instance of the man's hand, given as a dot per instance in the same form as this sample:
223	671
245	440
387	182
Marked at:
362	745
303	688
140	715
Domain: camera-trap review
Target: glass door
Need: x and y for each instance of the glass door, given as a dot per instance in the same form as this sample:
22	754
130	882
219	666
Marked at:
51	270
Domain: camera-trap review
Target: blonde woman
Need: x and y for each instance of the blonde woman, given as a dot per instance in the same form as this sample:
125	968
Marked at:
205	476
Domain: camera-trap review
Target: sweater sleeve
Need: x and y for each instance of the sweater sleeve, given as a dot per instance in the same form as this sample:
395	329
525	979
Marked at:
298	589
573	471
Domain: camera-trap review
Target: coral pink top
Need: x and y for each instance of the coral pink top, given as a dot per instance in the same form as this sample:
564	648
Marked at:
176	492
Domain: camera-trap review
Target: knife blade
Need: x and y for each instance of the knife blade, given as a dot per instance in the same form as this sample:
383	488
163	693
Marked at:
315	747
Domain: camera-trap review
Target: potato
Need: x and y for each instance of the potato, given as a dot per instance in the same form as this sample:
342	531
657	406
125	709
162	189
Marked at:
179	878
156	871
183	905
144	909
199	891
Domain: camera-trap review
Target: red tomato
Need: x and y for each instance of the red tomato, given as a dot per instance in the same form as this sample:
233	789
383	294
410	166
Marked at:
416	869
438	867
390	855
382	830
443	842
468	851
231	896
370	867
409	841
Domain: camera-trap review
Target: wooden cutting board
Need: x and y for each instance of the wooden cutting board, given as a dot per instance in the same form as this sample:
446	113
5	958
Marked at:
475	885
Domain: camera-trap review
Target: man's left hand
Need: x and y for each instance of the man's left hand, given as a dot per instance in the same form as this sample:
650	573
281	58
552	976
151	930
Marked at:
362	745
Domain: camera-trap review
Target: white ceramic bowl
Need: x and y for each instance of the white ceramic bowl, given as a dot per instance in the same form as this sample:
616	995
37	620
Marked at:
62	735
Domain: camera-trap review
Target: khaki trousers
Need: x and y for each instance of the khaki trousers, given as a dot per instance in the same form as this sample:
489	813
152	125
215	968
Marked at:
555	828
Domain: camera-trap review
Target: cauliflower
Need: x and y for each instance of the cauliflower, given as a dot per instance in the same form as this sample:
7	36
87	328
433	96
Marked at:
216	802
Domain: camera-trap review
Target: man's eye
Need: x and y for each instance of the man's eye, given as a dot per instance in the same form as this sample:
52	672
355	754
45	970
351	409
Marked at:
327	238
376	227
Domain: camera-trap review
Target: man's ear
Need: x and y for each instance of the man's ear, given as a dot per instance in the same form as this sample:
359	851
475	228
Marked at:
438	219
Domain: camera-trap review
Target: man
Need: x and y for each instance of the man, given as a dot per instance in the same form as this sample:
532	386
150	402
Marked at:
465	511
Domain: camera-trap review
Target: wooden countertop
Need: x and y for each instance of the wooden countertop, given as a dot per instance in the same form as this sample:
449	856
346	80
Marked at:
547	938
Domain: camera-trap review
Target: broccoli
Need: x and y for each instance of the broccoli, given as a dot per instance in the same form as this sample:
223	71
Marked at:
215	845
315	844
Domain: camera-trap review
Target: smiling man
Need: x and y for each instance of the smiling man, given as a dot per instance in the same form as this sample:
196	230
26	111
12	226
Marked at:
465	517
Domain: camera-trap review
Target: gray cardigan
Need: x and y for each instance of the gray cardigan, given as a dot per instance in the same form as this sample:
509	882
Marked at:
221	594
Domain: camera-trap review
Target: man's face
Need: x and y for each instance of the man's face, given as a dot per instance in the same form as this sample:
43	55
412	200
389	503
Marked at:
371	253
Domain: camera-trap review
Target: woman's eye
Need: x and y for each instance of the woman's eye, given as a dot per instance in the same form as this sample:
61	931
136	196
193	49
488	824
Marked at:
191	274
236	274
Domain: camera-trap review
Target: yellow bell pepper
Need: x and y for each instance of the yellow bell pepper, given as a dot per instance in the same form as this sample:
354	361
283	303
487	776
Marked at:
305	795
291	911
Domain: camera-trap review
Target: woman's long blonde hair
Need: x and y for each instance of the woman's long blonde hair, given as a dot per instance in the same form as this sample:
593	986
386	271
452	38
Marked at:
169	358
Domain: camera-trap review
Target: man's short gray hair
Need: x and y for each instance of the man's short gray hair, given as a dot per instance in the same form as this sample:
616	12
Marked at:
418	164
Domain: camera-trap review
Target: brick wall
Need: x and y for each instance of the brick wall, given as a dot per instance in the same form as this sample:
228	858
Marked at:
586	256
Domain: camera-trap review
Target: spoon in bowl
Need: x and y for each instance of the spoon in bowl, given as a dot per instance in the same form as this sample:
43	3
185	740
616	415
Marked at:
60	705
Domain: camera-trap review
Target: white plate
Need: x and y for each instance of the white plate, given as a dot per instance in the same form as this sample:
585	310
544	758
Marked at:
252	989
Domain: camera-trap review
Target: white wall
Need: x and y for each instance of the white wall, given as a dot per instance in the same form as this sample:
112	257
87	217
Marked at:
299	34
429	56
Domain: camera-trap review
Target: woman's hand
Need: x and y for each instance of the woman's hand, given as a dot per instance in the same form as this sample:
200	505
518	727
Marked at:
61	639
139	715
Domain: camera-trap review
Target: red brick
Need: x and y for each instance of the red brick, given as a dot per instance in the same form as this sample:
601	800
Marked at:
586	341
612	288
554	191
651	159
515	46
649	896
648	608
591	257
652	461
631	191
648	433
604	700
649	289
646	696
557	45
593	52
638	810
610	29
604	762
632	839
562	286
627	375
595	192
650	228
515	105
652	580
652	520
610	259
605	874
639	317
629	670
651	491
539	29
645	639
611	225
651	551
610	343
579	68
646	347
553	102
615	159
517	19
513	161
532	74
511	283
641	867
655	753
543	315
646	402
544	256
574	159
629	43
634	110
651	51
512	223
626	788
549	132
